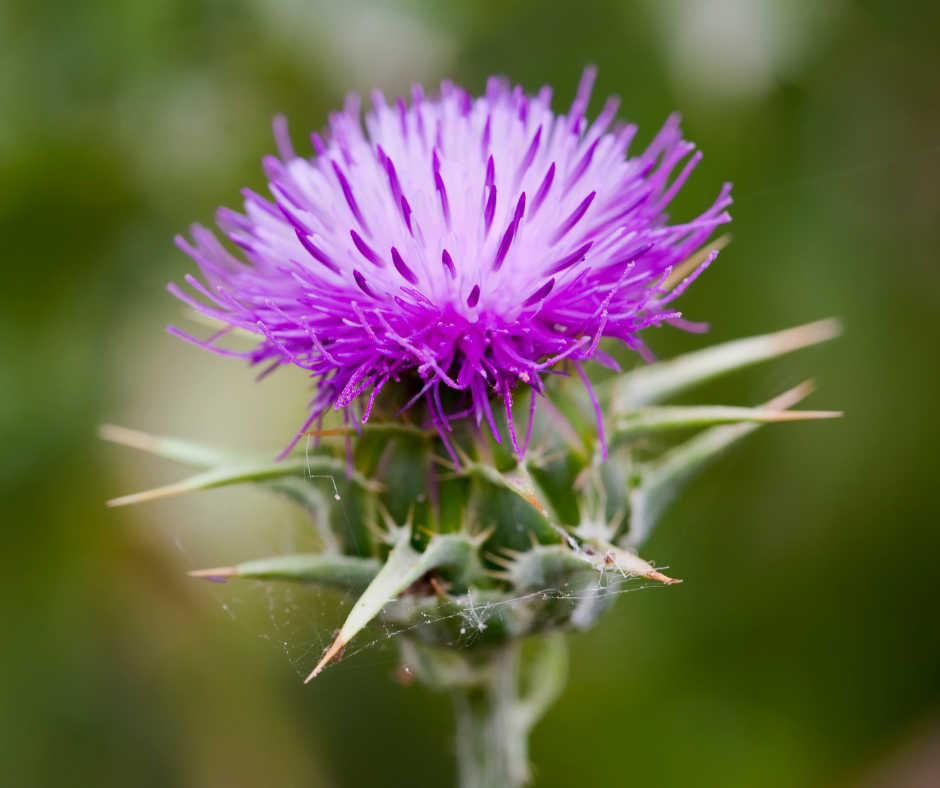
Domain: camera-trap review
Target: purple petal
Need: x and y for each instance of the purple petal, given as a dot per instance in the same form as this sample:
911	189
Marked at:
539	294
403	269
442	192
474	296
361	281
566	262
572	220
366	251
350	199
489	211
504	246
542	193
449	264
315	252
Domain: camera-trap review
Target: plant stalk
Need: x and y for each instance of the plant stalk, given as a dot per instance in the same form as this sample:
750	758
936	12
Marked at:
494	719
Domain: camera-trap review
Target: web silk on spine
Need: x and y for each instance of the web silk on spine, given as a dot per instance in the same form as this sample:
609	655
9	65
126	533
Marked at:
411	245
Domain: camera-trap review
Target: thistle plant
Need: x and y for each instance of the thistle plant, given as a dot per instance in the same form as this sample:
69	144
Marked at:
444	276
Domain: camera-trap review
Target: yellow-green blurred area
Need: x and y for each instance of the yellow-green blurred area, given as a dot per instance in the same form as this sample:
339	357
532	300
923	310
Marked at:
803	648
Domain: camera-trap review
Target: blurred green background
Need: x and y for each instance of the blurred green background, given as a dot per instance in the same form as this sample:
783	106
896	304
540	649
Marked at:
803	648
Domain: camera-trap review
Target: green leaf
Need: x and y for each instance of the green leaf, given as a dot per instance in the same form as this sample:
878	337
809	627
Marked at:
555	566
257	470
403	567
555	484
546	567
291	477
495	501
663	479
346	573
656	382
651	420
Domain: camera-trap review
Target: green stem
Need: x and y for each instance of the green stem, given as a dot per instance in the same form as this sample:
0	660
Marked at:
492	751
494	719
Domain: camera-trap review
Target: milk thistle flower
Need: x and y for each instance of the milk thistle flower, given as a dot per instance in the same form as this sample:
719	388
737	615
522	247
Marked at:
460	251
475	241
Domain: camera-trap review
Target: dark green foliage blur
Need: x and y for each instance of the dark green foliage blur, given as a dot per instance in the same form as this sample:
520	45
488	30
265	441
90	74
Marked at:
803	648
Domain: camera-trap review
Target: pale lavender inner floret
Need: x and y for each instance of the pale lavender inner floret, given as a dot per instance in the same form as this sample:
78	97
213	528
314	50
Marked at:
478	241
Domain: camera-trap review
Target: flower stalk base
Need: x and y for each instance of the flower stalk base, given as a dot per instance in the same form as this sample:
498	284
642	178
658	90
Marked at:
492	749
499	694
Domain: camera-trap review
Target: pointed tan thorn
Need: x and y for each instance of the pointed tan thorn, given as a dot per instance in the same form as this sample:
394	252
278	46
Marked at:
615	521
389	521
648	385
149	495
441	461
803	336
462	455
506	563
331	652
790	398
497	575
212	574
669	581
375	529
126	437
520	482
439	590
484	535
531	498
800	415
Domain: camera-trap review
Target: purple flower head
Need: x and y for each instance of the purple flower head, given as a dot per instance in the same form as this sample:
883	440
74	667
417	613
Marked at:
477	242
